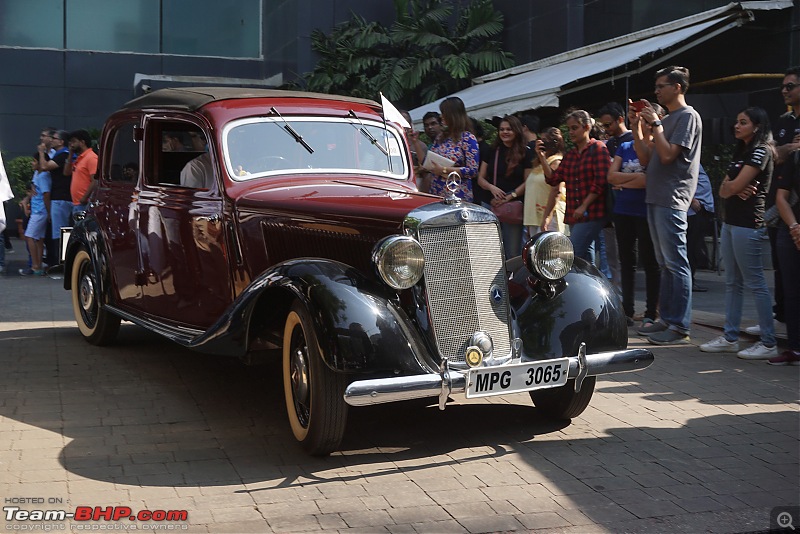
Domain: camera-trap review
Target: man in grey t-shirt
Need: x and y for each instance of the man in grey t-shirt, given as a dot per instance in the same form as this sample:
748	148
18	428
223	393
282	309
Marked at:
672	171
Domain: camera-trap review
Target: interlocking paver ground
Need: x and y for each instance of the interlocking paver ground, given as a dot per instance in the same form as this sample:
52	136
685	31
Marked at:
697	442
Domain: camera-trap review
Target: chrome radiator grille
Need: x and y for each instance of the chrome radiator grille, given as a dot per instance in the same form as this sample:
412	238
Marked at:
462	263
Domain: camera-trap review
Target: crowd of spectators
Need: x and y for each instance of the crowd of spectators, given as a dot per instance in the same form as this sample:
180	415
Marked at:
630	191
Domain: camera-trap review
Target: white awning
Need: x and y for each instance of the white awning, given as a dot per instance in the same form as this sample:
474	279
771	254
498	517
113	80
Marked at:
540	83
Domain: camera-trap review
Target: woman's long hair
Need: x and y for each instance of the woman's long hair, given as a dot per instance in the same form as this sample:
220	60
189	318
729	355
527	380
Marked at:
516	152
762	134
455	117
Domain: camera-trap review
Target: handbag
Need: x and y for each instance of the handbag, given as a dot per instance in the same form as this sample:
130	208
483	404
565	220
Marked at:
509	212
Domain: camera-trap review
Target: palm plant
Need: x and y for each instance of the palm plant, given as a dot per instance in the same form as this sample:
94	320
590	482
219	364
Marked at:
446	58
349	58
432	49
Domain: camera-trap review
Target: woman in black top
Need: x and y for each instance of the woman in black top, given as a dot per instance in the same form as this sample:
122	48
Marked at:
503	174
744	191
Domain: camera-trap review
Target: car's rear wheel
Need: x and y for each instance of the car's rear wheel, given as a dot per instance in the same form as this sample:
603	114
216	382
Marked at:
564	402
97	325
314	393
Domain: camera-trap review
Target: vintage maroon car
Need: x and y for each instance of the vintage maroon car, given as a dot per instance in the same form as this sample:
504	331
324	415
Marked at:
256	223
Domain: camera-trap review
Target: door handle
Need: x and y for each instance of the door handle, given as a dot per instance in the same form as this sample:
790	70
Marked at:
213	219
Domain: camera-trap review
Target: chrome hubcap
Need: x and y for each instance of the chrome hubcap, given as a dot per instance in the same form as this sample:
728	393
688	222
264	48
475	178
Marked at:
298	372
86	293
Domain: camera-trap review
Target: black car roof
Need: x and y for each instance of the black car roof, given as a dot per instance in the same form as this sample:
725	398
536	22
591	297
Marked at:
192	98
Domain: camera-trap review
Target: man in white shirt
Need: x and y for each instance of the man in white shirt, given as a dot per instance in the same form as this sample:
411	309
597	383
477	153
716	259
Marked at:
199	172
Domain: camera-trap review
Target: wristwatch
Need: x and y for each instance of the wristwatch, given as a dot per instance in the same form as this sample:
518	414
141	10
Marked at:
513	194
656	123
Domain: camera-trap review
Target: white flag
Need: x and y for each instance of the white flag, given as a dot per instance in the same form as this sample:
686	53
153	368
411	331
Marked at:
390	113
5	194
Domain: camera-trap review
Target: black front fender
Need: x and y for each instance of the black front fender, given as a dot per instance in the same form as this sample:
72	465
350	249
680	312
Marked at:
86	234
360	326
588	310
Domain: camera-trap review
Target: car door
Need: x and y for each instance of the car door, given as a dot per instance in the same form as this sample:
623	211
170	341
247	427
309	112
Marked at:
114	204
183	243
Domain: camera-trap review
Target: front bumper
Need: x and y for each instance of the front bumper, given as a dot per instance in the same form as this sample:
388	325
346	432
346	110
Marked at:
450	381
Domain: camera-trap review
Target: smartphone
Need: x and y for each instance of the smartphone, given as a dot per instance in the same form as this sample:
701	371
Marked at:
638	105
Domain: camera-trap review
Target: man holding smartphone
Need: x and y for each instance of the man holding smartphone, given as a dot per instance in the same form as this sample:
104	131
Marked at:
673	166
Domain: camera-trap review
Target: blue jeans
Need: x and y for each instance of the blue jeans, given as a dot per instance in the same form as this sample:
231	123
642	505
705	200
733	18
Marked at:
583	235
668	230
61	215
600	255
789	257
741	255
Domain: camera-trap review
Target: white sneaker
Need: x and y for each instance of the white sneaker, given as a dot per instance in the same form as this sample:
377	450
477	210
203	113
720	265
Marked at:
753	330
759	351
720	344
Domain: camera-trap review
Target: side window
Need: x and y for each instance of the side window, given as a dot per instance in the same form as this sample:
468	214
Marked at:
181	158
124	164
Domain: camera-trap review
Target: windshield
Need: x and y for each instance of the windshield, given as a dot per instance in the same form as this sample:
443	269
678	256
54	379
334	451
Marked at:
269	145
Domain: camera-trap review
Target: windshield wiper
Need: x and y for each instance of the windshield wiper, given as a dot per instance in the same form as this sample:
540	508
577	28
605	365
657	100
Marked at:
291	131
368	135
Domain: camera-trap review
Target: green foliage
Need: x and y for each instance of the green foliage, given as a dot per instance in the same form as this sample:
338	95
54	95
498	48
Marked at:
20	174
715	160
433	48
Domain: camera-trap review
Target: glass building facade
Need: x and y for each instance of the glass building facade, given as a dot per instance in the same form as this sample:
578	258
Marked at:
213	28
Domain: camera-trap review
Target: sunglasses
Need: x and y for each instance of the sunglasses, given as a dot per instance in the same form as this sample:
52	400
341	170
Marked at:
788	86
660	86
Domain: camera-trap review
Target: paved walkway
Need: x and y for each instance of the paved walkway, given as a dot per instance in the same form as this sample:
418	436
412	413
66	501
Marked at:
696	443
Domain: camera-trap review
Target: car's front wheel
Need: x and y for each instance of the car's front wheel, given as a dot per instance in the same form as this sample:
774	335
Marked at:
314	393
97	325
564	402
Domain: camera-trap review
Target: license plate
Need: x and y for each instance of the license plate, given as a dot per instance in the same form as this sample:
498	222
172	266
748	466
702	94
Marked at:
504	379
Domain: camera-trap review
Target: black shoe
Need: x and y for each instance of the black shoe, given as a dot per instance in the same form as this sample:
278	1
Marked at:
699	289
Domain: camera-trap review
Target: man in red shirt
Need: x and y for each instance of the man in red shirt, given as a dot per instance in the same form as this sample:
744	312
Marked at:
81	164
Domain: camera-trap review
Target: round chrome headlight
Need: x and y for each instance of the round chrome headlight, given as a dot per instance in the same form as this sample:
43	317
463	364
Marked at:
399	260
549	255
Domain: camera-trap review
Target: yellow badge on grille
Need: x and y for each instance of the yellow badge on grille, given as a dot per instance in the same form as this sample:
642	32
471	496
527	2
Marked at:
474	356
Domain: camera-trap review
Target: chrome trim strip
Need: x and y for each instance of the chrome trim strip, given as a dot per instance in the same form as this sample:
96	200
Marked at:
179	334
383	390
441	214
